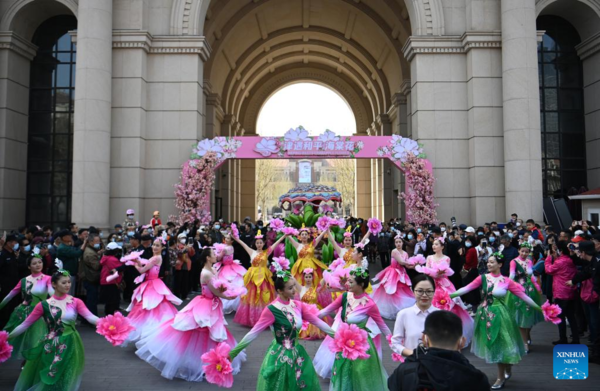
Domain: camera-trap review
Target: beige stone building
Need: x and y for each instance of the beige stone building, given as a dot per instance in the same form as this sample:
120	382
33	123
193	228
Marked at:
101	100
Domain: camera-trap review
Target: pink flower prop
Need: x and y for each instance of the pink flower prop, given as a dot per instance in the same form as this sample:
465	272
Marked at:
290	231
277	224
5	348
323	223
283	262
219	249
305	325
418	259
374	226
351	341
128	259
234	231
397	357
551	312
337	263
436	271
115	328
220	284
337	278
227	288
441	300
217	367
326	208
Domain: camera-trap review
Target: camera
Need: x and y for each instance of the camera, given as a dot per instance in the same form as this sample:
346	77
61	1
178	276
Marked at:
453	220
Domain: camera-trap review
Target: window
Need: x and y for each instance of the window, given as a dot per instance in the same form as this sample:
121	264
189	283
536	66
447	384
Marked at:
50	137
561	108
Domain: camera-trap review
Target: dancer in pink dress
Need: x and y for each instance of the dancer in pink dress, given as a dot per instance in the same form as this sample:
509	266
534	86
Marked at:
443	282
152	302
230	269
176	346
393	292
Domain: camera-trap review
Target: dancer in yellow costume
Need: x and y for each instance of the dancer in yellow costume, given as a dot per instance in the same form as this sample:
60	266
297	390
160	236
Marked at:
306	256
258	281
347	252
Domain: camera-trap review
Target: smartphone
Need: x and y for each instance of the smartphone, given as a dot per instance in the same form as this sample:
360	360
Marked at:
483	244
572	246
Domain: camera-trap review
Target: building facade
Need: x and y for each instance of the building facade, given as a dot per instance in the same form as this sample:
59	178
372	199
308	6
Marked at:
102	100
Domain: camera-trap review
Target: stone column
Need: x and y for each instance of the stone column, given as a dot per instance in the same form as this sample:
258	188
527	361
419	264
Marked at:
92	126
521	114
16	54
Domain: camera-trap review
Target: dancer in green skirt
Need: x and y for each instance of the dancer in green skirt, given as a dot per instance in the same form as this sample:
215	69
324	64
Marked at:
496	338
286	365
56	363
521	271
357	307
33	289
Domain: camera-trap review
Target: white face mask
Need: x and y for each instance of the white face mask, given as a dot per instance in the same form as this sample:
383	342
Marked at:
518	224
183	241
443	229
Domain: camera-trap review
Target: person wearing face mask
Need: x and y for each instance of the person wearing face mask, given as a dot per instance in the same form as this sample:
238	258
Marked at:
9	276
215	233
130	219
89	272
24	253
509	251
183	266
470	269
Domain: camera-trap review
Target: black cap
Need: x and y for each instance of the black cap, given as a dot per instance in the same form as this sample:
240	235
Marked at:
11	238
138	236
463	226
587	247
146	238
64	232
118	226
436	230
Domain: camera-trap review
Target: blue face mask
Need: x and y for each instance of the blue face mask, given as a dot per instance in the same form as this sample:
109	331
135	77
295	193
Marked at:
410	237
130	233
479	233
16	247
27	248
49	247
419	230
97	246
492	239
510	235
120	244
468	244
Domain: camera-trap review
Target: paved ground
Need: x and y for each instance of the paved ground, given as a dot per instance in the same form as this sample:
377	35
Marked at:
109	368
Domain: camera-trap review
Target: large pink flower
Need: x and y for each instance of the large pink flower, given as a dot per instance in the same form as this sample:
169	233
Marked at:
128	259
227	288
283	262
219	249
337	278
374	226
323	223
277	224
551	312
290	231
436	271
234	231
351	341
266	147
217	367
115	328
5	348
418	259
442	301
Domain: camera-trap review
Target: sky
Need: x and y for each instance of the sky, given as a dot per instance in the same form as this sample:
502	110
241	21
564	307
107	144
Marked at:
313	106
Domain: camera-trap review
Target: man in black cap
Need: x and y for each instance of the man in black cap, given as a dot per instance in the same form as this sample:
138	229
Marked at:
586	251
70	255
9	276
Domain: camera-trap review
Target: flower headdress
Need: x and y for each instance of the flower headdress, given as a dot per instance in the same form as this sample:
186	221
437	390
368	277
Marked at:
498	255
441	239
308	270
259	235
280	273
398	236
348	232
36	253
527	245
303	228
362	270
64	272
362	244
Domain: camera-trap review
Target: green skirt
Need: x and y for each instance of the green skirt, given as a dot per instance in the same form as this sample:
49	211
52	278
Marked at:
526	316
359	375
287	369
498	343
53	365
30	338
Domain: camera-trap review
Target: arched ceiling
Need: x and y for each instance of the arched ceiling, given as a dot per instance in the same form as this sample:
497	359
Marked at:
359	41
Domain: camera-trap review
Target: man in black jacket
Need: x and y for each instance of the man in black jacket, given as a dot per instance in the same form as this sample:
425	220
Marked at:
9	276
439	365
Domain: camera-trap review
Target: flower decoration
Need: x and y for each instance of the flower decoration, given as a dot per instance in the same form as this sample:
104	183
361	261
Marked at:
442	301
498	255
131	257
323	223
115	328
290	231
234	231
217	367
337	263
192	194
526	245
374	225
277	224
418	259
436	271
284	275
419	200
207	146
551	312
298	134
219	249
337	278
328	136
5	348
351	342
283	262
227	288
267	146
326	208
308	270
